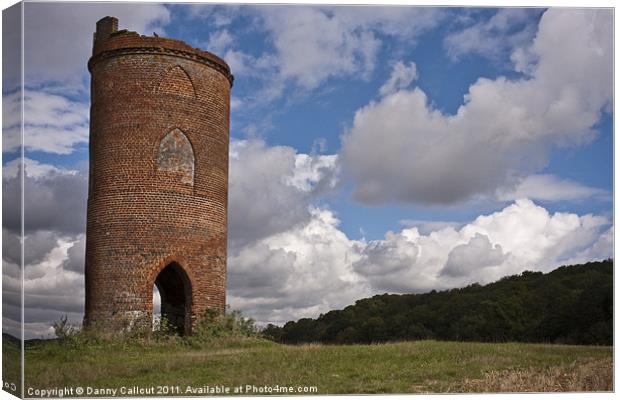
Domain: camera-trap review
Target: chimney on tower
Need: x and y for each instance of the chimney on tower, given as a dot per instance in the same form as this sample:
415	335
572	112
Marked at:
105	27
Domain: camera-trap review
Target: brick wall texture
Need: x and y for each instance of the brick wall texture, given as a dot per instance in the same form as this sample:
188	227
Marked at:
158	185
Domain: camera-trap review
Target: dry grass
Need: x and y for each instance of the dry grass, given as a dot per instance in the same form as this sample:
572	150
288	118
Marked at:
587	376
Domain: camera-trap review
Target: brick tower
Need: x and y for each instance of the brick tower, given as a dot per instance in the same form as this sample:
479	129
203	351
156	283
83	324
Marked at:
158	185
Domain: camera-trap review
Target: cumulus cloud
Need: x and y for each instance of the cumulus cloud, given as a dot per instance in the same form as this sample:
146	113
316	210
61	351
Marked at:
401	77
310	44
519	237
603	248
286	258
270	187
551	188
34	169
477	253
75	254
54	199
53	245
505	31
387	258
313	44
315	173
298	273
244	279
49	290
401	148
58	37
37	246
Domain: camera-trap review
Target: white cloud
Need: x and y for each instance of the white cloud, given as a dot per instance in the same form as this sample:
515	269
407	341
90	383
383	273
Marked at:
286	259
238	61
75	254
550	188
390	256
404	23
315	173
219	41
50	291
235	103
52	123
508	29
37	246
55	211
519	237
477	253
58	37
261	202
603	248
54	200
218	15
401	77
11	122
314	43
427	226
401	148
298	273
270	187
270	190
34	169
311	44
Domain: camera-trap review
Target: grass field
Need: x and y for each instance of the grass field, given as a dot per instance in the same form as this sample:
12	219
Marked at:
407	367
11	365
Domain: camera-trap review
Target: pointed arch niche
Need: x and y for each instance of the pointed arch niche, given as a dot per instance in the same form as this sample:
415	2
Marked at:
177	82
176	156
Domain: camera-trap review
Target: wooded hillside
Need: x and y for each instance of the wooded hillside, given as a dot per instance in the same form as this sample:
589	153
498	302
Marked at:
572	304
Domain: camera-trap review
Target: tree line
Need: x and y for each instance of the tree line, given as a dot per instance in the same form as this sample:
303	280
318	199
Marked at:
572	305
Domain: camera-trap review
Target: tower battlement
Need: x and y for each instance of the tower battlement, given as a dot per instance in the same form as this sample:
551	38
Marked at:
109	41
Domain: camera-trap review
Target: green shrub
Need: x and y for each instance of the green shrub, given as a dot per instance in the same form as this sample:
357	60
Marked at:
123	331
215	326
64	330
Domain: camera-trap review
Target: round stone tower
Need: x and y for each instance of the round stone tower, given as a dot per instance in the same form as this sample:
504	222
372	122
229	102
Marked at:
158	185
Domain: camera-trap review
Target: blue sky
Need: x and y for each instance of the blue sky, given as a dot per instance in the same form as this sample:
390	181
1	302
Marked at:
426	147
299	117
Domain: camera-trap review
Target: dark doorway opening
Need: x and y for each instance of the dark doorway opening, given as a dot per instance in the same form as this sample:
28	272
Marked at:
175	293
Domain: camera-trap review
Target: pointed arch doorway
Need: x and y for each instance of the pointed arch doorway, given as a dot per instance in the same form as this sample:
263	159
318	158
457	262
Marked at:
175	293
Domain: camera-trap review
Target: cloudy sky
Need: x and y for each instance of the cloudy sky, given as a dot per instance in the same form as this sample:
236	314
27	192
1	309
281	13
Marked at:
373	149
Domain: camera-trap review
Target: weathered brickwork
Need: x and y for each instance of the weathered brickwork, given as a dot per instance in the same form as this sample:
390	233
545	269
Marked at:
158	187
177	82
